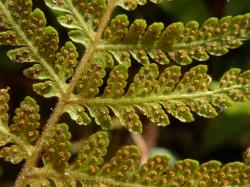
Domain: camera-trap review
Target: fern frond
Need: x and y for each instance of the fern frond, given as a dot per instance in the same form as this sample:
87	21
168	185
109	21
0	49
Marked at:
178	42
132	4
155	94
123	169
83	17
37	43
16	140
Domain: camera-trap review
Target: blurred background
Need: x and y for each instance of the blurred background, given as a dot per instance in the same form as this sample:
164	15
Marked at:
224	138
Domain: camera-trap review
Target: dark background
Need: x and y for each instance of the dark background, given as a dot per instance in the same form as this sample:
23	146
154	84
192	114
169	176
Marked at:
224	138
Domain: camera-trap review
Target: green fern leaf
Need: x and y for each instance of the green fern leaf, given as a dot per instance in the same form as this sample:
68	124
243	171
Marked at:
78	114
39	44
92	153
91	78
100	88
123	169
16	140
120	40
26	121
152	171
13	154
124	162
57	147
81	16
132	4
179	42
153	94
36	43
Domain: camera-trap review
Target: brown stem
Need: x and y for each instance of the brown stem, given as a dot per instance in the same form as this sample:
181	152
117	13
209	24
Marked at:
141	143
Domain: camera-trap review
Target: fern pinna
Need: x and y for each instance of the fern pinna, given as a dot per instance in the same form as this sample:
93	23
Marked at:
158	89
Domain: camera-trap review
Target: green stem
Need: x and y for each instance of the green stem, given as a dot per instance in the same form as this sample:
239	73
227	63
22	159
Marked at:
152	98
102	180
30	162
31	46
78	176
124	46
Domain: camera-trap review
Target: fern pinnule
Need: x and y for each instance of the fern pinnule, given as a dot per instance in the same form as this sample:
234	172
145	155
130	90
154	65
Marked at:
78	114
91	78
57	147
63	65
122	164
91	154
152	171
16	140
26	121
